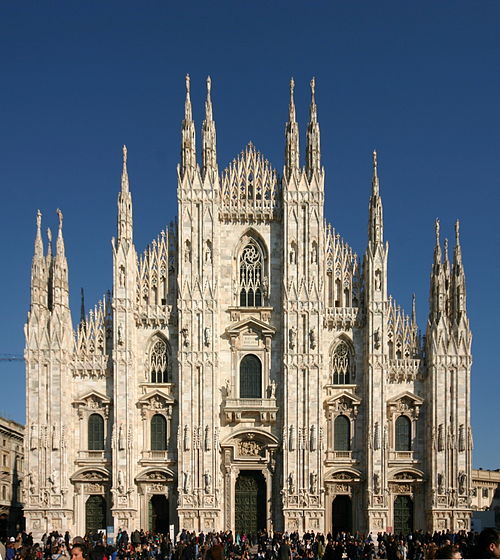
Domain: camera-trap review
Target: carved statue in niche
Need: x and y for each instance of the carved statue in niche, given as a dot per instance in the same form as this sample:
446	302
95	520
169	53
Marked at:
376	483
227	387
312	338
53	480
121	482
292	337
461	438
187	251
313	438
33	437
206	336
207	481
291	483
462	482
55	439
185	336
272	389
376	436
208	251
208	445
314	482
186	480
187	442
32	482
121	438
291	437
440	437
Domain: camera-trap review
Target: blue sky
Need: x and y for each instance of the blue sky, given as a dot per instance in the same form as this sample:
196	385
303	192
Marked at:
418	81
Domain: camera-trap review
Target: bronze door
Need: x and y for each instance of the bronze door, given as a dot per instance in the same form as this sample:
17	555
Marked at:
158	514
342	514
250	502
403	515
95	513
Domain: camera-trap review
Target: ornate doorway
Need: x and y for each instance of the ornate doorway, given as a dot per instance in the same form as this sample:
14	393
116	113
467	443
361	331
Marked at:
403	514
342	514
95	513
250	502
158	513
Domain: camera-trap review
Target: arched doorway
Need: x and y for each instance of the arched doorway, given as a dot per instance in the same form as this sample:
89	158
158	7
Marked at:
403	515
250	502
95	513
342	514
158	514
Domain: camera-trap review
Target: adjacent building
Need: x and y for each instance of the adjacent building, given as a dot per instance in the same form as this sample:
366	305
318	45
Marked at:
248	370
11	476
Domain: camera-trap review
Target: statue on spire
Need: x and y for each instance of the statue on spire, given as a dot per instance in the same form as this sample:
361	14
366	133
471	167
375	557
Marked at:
60	216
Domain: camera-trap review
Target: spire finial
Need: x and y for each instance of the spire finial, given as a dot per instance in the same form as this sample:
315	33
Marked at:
38	221
313	88
125	185
292	86
209	85
60	216
414	309
375	161
457	232
446	250
375	184
124	150
38	237
437	227
188	84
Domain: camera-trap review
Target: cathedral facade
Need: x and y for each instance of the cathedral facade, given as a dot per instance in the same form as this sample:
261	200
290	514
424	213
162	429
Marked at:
247	371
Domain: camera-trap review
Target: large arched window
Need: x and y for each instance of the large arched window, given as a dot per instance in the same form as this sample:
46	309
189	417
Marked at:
342	433
251	275
158	433
342	364
403	433
158	362
250	377
96	432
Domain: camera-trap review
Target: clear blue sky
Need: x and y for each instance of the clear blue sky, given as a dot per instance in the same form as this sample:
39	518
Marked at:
418	81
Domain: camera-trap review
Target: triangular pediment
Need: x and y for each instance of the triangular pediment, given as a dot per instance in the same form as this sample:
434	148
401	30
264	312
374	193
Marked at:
351	398
156	398
251	324
406	396
93	399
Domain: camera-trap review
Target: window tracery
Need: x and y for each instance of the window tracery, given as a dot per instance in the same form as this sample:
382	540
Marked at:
251	275
158	362
342	364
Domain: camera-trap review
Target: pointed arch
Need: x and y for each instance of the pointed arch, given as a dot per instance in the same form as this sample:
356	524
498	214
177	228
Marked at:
252	269
158	363
342	363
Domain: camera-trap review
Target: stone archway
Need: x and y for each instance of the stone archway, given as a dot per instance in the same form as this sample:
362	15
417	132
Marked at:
158	513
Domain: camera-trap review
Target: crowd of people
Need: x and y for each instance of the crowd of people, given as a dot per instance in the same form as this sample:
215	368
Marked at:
146	545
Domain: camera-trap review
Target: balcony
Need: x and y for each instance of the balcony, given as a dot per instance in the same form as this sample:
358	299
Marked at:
149	457
402	457
262	410
340	456
86	457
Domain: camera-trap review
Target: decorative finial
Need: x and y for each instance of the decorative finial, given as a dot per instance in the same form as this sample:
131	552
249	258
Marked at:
437	231
209	84
49	235
60	215
38	220
292	85
375	160
313	88
124	149
457	231
414	309
188	83
446	249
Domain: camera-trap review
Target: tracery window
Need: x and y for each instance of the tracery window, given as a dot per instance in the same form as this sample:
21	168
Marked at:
250	377
342	364
96	432
342	433
403	433
251	267
158	433
158	362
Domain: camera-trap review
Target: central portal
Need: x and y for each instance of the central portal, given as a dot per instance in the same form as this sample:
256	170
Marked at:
250	502
158	514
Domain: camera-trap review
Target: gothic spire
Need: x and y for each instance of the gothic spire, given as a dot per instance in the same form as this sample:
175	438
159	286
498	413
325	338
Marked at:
60	287
292	153
313	151
82	307
414	311
188	149
438	290
60	239
38	238
458	290
125	223
375	221
39	285
209	136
